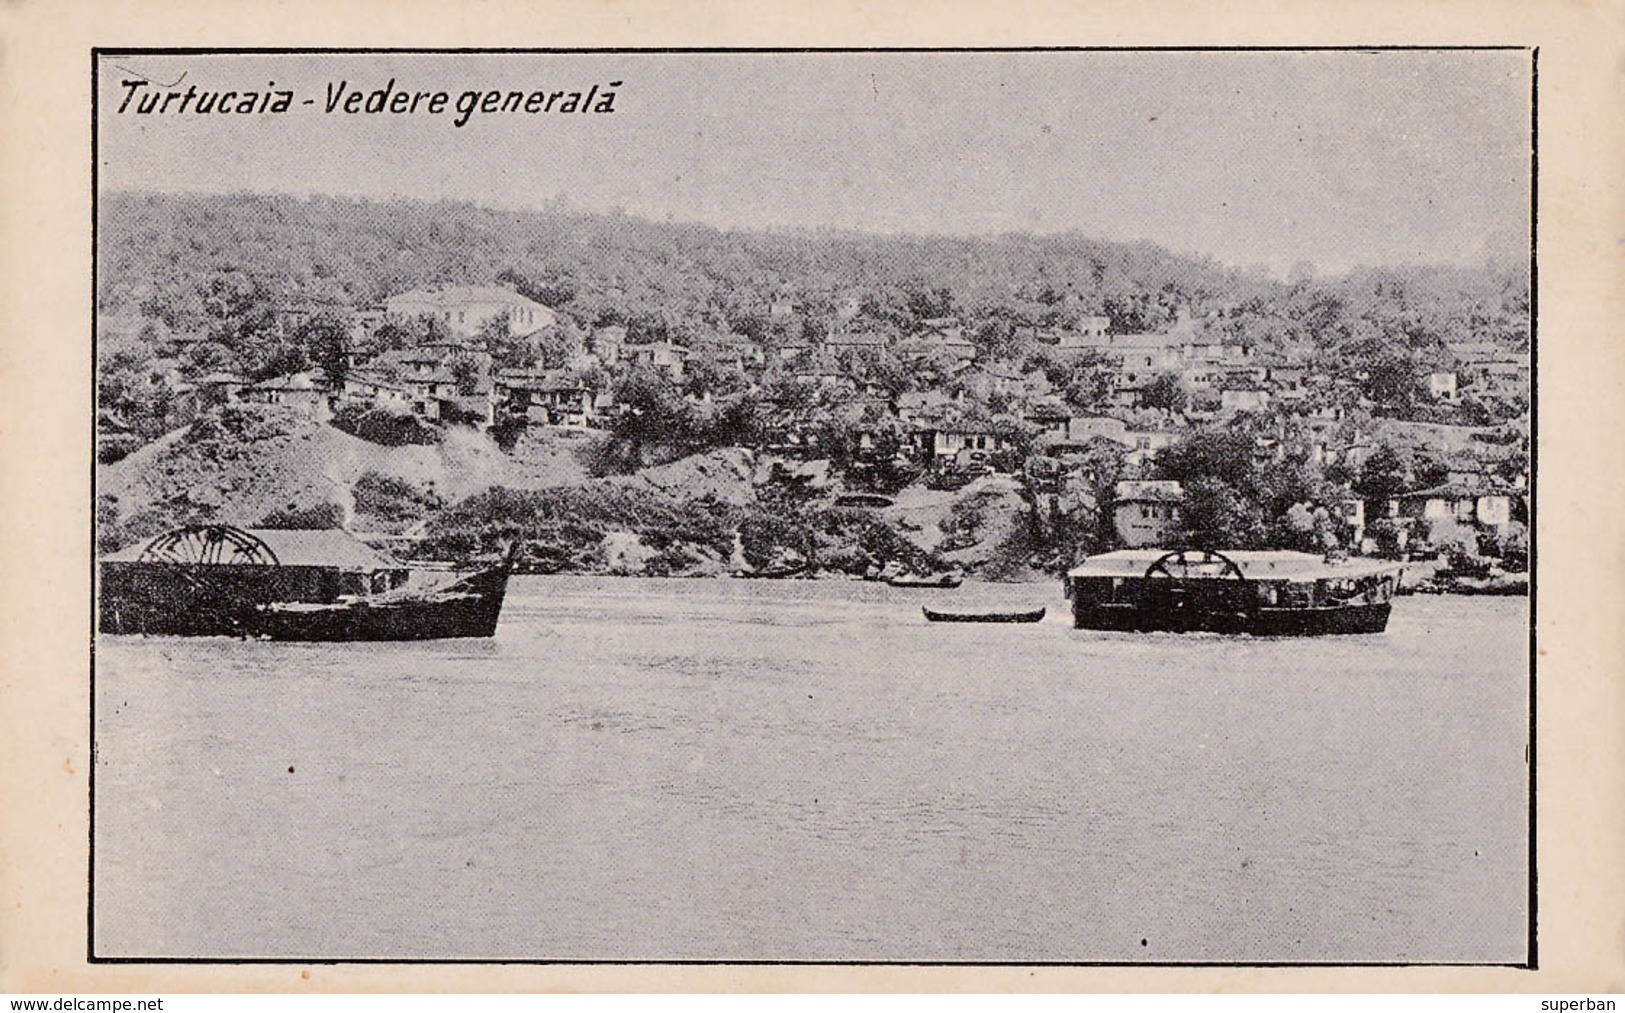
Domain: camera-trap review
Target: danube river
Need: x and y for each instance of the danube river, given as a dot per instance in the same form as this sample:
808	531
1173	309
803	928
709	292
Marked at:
807	770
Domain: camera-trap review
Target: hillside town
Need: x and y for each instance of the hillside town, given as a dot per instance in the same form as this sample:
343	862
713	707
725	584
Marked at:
1086	420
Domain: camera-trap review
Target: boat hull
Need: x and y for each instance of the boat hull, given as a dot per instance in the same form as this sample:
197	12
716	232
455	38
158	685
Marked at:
1036	615
469	608
1262	622
170	600
242	602
938	583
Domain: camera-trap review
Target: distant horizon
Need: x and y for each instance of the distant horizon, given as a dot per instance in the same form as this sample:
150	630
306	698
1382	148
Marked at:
563	207
1334	159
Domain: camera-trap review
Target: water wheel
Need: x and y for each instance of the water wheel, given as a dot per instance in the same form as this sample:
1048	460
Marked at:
211	573
208	545
1181	603
1198	562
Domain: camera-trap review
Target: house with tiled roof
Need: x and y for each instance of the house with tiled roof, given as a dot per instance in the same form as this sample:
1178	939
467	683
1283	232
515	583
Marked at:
376	389
1147	512
551	398
662	356
465	309
1484	504
1049	416
941	335
958	441
305	393
863	344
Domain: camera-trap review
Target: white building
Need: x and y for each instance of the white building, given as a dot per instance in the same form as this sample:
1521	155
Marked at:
1147	513
465	309
1442	385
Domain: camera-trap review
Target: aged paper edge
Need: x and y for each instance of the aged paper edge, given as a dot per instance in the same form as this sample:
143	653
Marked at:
46	372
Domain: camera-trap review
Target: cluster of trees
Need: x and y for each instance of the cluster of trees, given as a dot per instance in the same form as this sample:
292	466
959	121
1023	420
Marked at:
219	266
1233	500
217	269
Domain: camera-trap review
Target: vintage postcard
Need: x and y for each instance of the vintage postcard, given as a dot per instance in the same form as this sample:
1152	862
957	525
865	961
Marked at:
595	505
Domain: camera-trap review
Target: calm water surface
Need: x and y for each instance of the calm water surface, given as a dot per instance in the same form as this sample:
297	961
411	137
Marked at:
751	770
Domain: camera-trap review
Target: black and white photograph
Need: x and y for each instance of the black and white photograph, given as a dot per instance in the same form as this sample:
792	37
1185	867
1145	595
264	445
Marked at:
1058	506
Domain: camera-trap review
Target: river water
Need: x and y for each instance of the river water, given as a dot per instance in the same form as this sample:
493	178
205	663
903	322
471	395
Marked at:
751	770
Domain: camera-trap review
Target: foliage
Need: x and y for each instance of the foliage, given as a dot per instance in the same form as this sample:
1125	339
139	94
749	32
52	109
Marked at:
1511	546
324	338
573	520
1383	475
218	266
655	424
320	515
1385	531
1233	501
766	538
466	374
1222	454
232	426
1391	379
1216	515
1455	541
392	499
1028	542
1165	391
385	427
125	386
966	518
856	542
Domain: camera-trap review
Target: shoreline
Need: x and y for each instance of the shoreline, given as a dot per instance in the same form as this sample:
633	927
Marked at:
1408	589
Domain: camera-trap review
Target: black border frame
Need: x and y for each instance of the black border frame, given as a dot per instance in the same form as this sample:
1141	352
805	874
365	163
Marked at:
1531	961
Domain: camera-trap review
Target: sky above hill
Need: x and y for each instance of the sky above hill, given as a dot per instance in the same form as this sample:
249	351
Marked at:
1332	159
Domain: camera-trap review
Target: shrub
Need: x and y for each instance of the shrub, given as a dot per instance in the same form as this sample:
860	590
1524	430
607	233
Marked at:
393	499
1455	541
575	519
763	536
966	518
385	427
1384	531
321	515
236	424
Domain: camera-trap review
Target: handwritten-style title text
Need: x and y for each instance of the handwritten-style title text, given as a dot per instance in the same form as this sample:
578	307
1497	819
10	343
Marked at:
340	98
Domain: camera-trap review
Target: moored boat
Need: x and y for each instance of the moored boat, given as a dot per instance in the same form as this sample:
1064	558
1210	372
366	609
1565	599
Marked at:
1262	593
218	580
1494	584
466	607
932	615
939	580
864	501
773	572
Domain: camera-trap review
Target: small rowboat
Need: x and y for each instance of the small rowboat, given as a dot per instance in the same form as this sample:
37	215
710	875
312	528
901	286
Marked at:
944	580
1034	616
773	573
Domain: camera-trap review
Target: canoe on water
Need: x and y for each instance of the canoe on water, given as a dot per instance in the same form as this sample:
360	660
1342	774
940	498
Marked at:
942	580
772	573
983	617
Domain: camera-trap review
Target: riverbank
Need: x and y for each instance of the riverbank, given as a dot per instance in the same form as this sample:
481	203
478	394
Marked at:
726	511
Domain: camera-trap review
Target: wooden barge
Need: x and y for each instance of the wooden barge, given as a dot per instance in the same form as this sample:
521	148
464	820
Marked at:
217	580
1252	592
